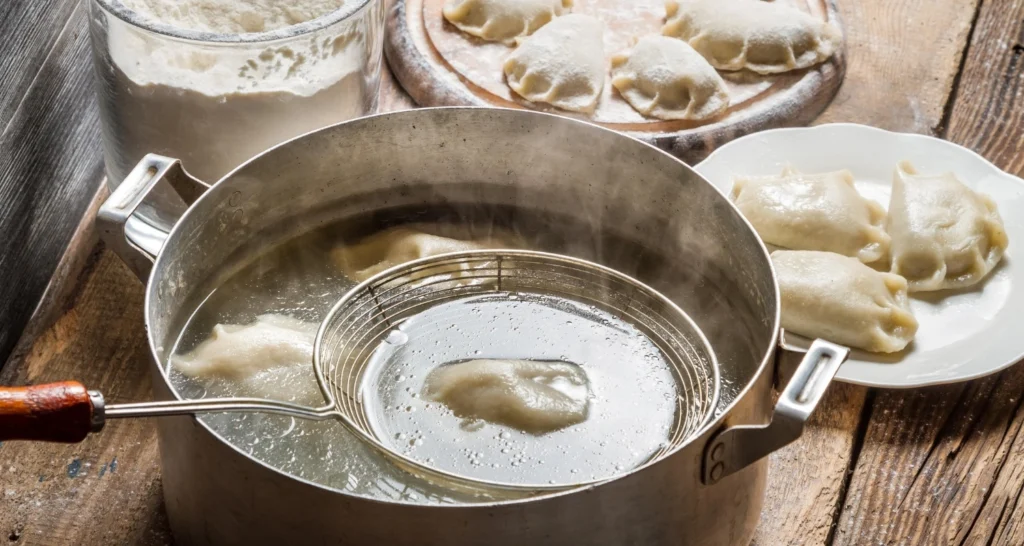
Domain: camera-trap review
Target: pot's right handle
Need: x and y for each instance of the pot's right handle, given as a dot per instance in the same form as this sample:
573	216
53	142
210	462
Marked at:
734	448
134	240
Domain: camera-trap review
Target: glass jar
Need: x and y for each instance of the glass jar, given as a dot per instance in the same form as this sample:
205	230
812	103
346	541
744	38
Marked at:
215	100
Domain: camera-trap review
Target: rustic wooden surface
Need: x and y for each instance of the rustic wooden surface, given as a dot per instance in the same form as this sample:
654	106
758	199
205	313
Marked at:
943	465
50	160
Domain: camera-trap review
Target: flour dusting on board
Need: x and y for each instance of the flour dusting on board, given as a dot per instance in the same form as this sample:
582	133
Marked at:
625	21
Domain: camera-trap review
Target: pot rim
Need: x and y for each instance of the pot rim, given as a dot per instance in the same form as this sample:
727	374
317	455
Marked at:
717	421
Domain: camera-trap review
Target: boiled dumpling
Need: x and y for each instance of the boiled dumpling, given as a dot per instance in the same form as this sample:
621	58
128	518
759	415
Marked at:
269	358
665	78
502	20
239	351
944	235
562	64
403	244
833	297
765	37
532	396
813	212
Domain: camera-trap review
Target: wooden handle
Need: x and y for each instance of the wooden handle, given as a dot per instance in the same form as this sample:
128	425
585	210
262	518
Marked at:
57	412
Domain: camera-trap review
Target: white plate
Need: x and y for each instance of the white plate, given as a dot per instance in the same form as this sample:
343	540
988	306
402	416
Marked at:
963	334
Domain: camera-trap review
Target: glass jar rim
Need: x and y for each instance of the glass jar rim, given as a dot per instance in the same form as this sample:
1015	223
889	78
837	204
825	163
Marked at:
134	18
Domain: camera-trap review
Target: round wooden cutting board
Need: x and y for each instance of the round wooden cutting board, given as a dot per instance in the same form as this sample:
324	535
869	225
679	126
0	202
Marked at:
440	66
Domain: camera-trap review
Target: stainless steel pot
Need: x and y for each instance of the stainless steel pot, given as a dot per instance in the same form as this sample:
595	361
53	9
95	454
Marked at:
712	264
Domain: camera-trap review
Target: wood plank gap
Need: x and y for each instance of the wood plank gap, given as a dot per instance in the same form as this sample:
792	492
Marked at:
859	434
39	69
947	109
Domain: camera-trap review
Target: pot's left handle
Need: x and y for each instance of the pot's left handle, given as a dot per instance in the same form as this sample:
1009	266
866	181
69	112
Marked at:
133	239
734	448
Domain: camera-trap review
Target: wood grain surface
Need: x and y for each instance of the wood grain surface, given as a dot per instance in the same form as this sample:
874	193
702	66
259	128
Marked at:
942	466
50	159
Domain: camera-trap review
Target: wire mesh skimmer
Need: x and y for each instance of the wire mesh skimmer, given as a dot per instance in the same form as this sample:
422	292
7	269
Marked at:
365	316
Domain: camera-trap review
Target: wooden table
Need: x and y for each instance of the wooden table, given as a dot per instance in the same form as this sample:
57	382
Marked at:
941	465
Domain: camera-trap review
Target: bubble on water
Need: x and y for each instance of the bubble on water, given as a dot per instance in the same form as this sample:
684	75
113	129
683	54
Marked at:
396	337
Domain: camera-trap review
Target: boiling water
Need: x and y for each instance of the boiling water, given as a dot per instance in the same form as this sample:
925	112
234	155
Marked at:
297	279
632	390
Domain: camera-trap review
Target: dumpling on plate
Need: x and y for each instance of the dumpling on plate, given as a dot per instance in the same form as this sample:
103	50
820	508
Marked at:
398	245
944	234
562	64
813	212
765	37
528	395
837	298
502	20
665	78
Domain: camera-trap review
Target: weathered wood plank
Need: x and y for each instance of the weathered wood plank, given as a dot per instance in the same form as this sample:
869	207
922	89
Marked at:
903	58
105	490
36	26
946	465
49	166
807	479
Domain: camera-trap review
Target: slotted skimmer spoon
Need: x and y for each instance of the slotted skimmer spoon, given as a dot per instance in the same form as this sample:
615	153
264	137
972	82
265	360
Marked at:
362	319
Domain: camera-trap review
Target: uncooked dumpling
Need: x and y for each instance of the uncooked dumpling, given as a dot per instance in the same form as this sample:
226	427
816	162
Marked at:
562	64
813	212
403	244
765	37
532	396
833	297
666	79
239	351
502	20
944	235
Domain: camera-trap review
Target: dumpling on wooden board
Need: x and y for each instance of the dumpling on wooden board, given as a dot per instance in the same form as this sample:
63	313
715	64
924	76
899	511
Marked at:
944	234
837	298
813	212
502	20
765	37
562	64
398	245
665	78
532	396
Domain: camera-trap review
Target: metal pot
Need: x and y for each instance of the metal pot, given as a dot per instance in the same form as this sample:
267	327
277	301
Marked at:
713	265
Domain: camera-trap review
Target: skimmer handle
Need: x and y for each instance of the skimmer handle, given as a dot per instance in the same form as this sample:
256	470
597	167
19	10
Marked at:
56	412
67	412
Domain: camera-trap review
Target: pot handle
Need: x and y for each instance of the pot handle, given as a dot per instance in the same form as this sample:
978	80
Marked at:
57	412
132	238
734	448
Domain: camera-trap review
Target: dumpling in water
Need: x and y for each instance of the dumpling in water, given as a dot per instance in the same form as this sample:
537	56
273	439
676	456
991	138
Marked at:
833	297
562	64
402	244
944	235
502	20
269	358
766	37
666	79
532	396
813	212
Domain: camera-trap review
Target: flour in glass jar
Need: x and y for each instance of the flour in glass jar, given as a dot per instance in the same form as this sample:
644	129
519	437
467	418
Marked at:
213	105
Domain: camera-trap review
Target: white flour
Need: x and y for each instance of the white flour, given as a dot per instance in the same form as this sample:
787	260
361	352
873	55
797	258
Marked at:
214	105
232	16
